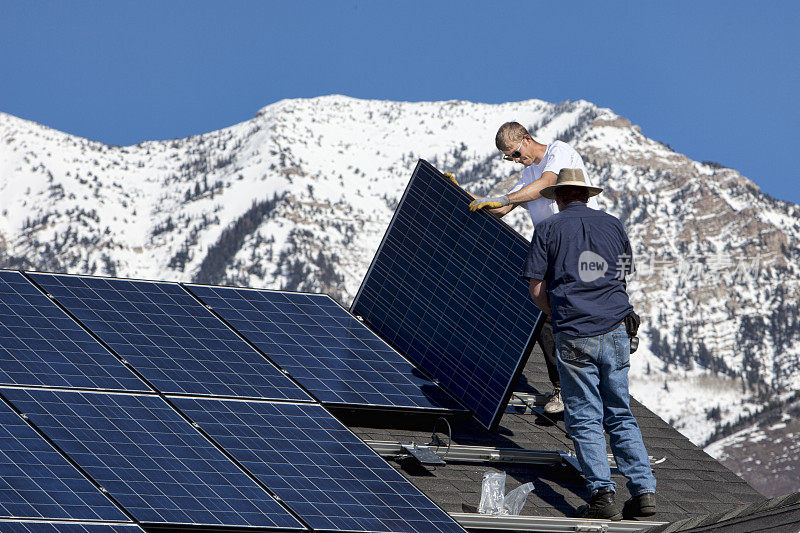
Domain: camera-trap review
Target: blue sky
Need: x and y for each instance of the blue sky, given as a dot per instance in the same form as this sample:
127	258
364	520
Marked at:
716	80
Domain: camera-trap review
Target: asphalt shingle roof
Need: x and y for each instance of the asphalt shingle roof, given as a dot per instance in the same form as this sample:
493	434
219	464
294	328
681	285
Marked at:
778	515
690	482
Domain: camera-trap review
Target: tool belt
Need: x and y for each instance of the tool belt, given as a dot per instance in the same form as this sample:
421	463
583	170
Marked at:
632	322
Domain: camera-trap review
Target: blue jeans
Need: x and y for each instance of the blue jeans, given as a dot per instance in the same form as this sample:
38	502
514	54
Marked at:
594	387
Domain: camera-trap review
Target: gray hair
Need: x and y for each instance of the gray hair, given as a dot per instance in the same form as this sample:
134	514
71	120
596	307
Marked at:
509	135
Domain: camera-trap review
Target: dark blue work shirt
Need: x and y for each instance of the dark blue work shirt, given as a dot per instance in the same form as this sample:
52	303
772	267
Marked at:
579	252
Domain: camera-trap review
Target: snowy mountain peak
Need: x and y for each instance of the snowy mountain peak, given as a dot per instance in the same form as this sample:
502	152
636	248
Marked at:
299	197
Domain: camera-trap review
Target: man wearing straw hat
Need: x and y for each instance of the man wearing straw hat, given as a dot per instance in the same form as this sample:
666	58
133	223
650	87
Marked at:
542	163
575	272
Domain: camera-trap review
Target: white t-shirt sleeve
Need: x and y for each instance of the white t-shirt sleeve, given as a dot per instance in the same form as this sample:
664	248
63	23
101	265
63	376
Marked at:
558	156
525	179
561	155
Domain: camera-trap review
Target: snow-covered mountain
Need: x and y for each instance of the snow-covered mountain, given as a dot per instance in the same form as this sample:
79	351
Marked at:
765	453
300	196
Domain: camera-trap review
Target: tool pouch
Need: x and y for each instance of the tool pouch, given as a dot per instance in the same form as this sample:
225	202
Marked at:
632	322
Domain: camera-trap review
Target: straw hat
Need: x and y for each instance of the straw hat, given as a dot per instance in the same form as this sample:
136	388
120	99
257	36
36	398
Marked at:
570	176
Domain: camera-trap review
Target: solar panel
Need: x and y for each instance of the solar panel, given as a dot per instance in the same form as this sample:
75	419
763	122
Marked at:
149	459
320	469
7	526
41	345
327	350
444	289
169	337
37	482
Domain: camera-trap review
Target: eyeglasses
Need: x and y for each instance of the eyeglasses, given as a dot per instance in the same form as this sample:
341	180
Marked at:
516	154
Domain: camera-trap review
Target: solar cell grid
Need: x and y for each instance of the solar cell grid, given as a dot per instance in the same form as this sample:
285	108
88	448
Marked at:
150	460
327	350
320	469
40	345
169	337
444	289
37	482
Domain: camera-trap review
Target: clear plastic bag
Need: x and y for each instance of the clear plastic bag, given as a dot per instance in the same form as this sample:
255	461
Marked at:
515	500
493	498
493	492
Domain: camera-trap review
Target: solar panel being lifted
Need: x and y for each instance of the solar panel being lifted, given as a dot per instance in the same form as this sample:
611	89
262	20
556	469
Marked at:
169	337
327	350
40	345
317	466
444	289
150	460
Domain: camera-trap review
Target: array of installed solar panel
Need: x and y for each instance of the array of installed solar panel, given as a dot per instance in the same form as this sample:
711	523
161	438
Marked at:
444	289
155	464
320	469
41	345
37	482
169	337
328	351
7	526
149	459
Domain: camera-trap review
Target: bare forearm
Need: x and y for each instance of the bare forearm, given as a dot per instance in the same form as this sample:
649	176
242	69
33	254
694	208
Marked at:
543	303
502	211
532	191
528	193
538	291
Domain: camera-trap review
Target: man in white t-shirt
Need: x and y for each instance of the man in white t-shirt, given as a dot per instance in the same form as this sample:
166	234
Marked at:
542	165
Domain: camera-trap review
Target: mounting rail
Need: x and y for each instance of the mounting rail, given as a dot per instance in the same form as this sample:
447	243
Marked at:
486	454
549	523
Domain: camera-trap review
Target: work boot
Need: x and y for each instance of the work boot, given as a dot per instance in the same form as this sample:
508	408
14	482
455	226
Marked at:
554	403
638	506
601	506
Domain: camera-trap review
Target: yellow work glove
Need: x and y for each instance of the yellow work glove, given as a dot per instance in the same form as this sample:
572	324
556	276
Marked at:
451	178
489	202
